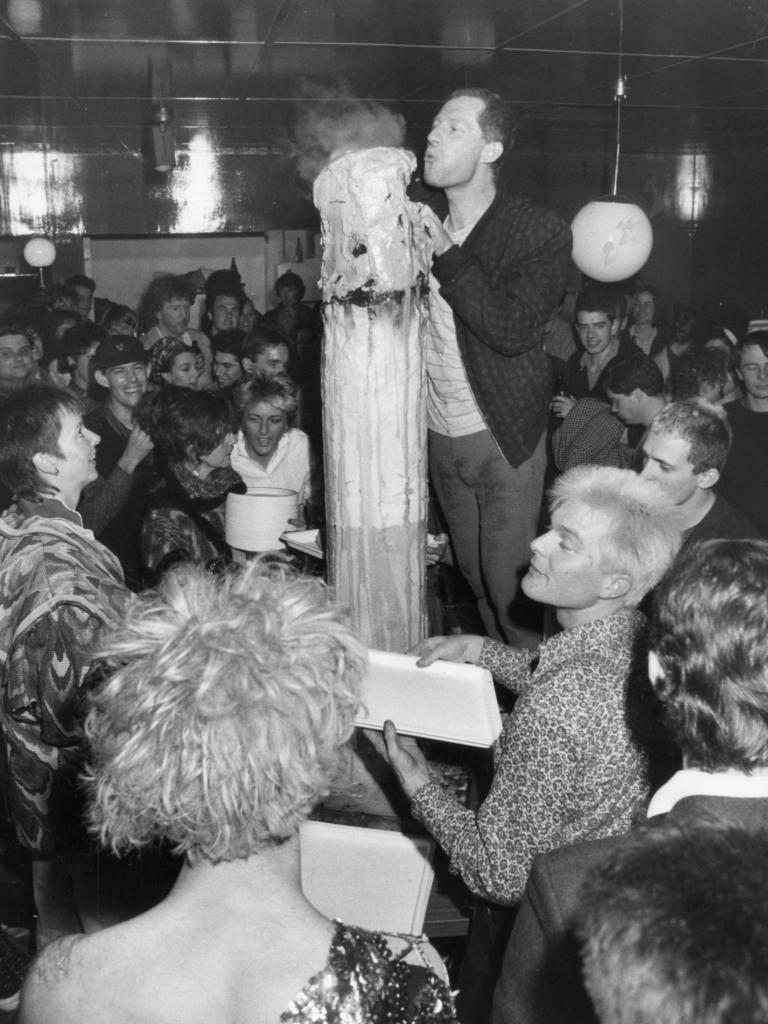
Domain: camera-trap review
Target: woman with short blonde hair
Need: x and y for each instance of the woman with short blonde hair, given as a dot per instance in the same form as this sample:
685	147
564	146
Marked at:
218	731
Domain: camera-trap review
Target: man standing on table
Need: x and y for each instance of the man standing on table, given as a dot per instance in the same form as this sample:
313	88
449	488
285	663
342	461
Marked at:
572	759
498	274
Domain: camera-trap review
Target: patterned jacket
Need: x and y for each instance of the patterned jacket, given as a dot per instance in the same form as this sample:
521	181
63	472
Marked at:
570	763
57	584
503	284
590	435
169	526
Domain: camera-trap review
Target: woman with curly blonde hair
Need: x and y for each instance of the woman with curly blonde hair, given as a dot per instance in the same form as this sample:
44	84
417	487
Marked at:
217	732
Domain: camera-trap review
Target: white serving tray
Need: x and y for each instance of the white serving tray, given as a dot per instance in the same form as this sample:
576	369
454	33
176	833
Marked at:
446	701
368	877
305	541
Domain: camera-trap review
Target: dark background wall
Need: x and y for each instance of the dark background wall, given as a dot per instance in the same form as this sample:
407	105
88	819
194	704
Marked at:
249	191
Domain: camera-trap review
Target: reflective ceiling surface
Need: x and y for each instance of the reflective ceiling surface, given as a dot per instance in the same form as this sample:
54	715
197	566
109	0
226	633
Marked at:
76	73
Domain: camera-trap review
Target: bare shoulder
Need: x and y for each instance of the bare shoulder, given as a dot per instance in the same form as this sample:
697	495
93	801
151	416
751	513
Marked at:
50	990
55	962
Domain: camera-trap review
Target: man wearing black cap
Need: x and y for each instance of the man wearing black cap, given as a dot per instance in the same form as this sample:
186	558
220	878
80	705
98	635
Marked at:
113	507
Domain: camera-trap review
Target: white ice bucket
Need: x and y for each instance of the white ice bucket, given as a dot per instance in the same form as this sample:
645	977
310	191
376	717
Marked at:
254	521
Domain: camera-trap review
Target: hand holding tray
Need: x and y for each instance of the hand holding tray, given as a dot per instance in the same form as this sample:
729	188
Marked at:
447	701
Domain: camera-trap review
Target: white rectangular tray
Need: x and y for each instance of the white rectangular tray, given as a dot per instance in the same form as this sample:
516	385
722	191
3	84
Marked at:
367	877
446	701
305	541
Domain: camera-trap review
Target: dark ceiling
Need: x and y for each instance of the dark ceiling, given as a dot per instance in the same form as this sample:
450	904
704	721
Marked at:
76	73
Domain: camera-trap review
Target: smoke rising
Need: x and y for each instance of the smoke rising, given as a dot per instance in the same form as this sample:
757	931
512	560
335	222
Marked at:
333	123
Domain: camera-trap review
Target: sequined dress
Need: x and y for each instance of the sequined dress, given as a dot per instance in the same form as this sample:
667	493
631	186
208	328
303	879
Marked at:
364	982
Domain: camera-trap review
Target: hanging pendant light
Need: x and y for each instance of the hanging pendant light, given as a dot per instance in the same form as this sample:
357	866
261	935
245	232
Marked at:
40	252
162	139
612	236
163	149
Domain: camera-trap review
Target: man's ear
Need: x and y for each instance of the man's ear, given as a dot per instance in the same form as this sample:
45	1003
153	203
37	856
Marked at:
101	378
191	455
615	585
655	671
45	464
62	380
491	152
707	478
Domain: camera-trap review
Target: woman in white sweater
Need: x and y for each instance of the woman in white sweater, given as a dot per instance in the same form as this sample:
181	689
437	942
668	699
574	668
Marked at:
270	451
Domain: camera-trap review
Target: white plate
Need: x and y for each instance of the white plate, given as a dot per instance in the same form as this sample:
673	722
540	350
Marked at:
366	876
446	701
305	541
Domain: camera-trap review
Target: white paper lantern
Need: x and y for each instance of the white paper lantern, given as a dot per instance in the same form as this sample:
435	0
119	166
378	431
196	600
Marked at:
612	239
39	252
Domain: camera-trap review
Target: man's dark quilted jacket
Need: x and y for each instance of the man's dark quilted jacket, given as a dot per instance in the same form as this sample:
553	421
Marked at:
503	284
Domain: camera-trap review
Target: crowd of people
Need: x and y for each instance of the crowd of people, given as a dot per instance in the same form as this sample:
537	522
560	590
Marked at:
135	376
600	472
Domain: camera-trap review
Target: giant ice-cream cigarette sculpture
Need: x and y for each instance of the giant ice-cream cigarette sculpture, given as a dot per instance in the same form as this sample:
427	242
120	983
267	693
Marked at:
376	262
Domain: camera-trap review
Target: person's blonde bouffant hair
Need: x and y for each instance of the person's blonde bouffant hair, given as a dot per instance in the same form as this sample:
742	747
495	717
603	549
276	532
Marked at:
220	728
641	534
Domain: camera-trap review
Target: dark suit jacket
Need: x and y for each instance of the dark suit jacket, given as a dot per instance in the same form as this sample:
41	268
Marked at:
541	980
